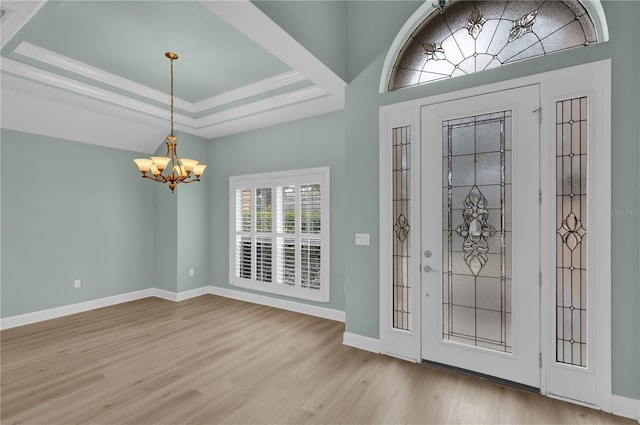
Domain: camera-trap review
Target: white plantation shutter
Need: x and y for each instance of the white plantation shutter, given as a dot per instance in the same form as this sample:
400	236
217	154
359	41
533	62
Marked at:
242	218
310	206
310	263
280	233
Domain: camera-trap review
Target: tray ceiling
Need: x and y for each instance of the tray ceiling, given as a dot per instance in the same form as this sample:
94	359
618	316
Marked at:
104	61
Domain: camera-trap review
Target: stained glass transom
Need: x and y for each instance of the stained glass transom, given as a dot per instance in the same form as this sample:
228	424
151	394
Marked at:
476	191
571	231
473	36
401	228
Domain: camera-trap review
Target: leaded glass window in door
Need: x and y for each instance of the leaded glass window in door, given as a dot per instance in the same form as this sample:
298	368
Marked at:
473	36
401	228
476	238
571	231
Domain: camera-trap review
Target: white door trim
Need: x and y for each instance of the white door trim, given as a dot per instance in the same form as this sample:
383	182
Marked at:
593	81
404	344
408	112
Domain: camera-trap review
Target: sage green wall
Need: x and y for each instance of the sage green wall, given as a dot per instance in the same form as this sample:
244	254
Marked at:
311	142
308	21
181	223
79	212
363	102
373	25
193	218
164	240
323	26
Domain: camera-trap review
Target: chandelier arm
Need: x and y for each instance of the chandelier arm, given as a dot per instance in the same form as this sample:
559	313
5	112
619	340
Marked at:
195	179
154	178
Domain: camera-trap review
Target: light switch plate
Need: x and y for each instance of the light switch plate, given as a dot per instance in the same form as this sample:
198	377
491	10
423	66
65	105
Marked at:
362	239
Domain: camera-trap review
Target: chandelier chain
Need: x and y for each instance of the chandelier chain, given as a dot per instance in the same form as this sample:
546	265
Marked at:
172	96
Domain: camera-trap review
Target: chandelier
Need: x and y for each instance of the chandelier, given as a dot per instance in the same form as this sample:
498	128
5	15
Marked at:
180	170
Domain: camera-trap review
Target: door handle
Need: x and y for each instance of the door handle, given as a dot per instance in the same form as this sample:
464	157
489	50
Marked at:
427	268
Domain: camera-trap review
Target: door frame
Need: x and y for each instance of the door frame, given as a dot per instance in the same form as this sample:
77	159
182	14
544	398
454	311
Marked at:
553	85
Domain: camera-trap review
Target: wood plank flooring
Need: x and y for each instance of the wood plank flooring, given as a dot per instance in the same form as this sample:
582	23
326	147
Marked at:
213	360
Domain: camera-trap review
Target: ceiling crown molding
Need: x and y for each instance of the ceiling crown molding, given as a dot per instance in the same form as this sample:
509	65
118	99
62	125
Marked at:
93	91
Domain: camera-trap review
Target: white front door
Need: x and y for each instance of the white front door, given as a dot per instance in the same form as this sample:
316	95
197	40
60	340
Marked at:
480	238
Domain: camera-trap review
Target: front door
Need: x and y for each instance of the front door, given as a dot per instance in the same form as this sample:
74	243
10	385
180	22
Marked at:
480	234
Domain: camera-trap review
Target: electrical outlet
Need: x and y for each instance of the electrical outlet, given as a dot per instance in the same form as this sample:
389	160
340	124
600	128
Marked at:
76	283
192	272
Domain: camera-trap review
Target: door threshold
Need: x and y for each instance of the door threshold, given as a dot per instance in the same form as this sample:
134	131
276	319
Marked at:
481	376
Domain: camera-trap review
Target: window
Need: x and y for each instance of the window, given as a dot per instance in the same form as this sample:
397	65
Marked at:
473	36
571	234
401	154
279	233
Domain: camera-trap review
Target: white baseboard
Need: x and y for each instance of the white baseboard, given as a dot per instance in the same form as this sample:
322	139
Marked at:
311	310
180	296
52	313
361	342
626	407
164	294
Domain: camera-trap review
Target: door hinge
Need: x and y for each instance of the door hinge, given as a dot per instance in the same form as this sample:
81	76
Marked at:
540	360
540	279
539	196
539	111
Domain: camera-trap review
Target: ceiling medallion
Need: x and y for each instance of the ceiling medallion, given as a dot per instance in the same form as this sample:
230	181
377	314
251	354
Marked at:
180	170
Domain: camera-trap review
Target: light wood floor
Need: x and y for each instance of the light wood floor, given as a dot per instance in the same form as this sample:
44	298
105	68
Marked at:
213	360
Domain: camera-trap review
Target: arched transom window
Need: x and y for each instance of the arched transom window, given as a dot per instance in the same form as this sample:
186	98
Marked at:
472	36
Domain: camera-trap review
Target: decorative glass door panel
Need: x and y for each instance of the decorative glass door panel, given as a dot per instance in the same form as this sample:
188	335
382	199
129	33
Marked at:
476	263
401	214
480	234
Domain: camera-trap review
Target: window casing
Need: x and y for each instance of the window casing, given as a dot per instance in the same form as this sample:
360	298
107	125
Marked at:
279	233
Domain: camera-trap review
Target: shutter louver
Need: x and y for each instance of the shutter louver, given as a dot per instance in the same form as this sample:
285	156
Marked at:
310	263
243	257
310	206
263	243
279	234
243	235
263	259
